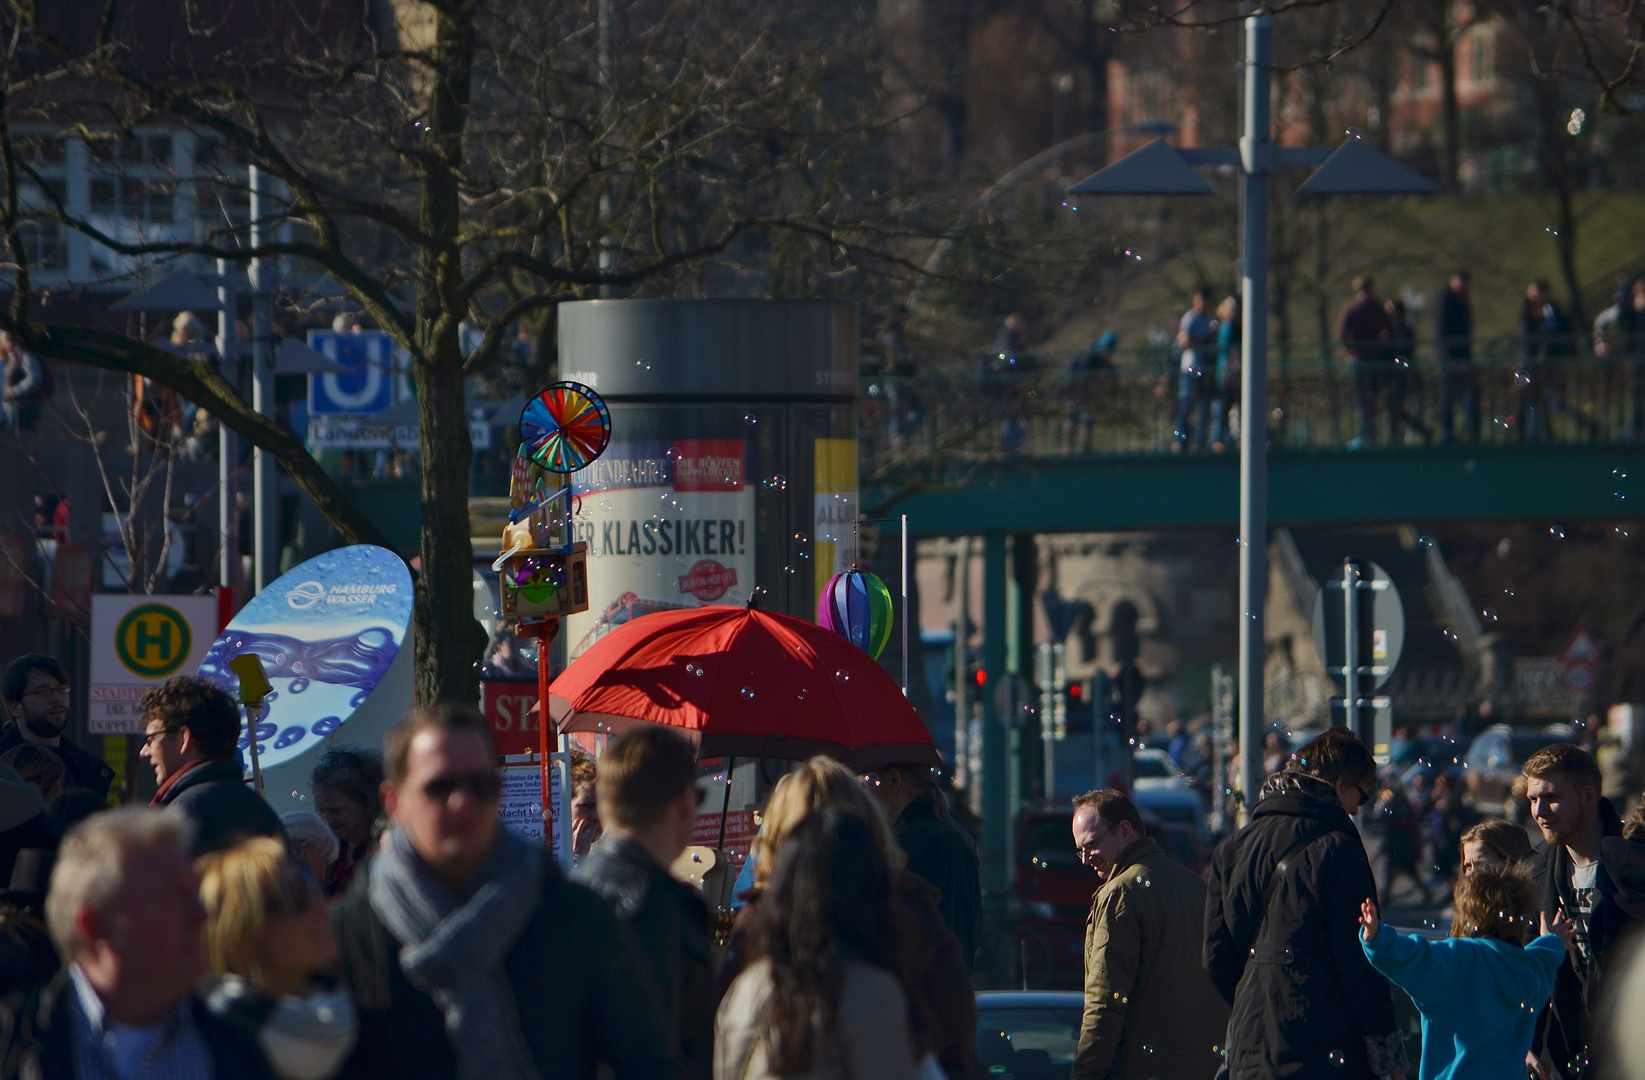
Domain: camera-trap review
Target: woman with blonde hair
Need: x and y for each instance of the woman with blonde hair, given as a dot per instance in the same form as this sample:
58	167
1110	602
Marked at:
268	938
942	1005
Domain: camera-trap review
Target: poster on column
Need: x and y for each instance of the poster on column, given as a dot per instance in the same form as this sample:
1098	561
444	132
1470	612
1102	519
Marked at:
669	524
834	525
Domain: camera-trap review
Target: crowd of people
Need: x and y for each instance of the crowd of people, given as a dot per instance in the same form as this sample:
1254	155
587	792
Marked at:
404	932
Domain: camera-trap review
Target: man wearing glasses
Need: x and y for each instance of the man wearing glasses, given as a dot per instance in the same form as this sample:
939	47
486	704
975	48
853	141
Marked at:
1150	1009
36	692
190	728
465	950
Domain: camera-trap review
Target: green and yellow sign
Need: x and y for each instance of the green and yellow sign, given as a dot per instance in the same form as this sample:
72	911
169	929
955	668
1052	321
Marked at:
152	641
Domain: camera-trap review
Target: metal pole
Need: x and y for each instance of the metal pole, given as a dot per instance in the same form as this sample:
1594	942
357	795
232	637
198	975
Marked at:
1350	647
265	541
905	606
996	801
964	767
228	352
1256	148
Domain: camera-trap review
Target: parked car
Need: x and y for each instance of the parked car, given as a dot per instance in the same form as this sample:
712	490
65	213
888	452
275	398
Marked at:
1153	769
1028	1036
1495	758
1174	806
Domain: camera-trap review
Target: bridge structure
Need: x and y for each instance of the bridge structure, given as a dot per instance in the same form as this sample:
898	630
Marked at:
1007	446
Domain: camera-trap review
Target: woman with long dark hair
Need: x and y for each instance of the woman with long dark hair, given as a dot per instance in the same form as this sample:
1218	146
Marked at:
821	1002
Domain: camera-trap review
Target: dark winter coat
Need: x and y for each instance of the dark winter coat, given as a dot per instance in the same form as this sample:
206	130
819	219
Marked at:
83	769
579	984
37	1036
940	855
224	811
1565	1030
670	922
1306	1003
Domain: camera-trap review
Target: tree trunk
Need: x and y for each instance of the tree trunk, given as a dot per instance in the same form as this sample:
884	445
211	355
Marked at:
1095	47
1452	117
449	641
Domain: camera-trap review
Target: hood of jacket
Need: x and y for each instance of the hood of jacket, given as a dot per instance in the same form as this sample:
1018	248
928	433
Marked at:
1296	794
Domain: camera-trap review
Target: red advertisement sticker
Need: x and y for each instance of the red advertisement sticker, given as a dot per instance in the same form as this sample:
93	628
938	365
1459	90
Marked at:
709	465
707	580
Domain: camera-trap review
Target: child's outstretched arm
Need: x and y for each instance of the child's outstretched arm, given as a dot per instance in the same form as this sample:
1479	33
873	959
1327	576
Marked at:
1409	961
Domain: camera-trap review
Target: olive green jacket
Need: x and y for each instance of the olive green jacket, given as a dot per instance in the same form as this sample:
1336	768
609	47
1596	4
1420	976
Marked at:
1150	1008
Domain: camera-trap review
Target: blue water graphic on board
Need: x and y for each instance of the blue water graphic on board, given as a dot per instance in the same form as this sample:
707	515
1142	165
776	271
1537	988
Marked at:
326	633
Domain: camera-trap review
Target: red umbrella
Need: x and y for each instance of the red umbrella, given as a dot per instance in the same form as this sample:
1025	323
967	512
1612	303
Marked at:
746	683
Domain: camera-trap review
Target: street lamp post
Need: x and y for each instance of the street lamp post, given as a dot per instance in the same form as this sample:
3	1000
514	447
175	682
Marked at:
1159	169
1256	148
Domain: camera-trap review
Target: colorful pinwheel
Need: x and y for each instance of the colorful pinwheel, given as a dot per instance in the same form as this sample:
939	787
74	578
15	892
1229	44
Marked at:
565	427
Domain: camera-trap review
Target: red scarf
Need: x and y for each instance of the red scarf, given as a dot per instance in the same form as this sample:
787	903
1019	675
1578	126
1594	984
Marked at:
171	781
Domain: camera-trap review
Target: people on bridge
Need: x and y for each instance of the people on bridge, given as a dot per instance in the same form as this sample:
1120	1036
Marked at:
1364	331
1454	349
1225	407
1196	343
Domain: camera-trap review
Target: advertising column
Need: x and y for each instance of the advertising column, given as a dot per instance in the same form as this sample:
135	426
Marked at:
671	525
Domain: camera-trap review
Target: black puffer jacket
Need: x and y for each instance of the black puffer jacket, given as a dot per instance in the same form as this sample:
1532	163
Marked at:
1306	1003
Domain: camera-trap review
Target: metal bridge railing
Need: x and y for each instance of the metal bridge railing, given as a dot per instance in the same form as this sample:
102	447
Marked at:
1512	390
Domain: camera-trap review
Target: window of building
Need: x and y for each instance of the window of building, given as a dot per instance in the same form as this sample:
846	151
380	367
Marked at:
1479	54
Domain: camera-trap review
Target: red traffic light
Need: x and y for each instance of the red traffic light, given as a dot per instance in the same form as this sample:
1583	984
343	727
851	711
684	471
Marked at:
982	677
1074	691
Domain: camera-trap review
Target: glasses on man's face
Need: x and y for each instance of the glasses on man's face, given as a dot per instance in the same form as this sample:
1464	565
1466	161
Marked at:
43	692
152	737
1088	850
479	786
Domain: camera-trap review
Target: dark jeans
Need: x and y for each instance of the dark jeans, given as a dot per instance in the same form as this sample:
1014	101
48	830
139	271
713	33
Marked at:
1195	392
1373	379
1458	391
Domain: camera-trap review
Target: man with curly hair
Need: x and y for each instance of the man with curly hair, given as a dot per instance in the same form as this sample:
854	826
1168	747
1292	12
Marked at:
189	732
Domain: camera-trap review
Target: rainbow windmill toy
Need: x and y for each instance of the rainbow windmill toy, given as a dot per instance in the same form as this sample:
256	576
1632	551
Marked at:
543	571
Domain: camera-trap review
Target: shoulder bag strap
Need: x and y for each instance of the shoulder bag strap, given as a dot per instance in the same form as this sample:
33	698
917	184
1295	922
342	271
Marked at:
1274	878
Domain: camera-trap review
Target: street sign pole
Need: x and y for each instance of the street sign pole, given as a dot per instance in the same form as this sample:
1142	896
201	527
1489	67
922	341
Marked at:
265	541
228	354
1256	149
1350	646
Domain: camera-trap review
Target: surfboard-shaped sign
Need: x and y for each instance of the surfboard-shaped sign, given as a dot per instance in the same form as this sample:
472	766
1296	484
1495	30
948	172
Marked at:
326	632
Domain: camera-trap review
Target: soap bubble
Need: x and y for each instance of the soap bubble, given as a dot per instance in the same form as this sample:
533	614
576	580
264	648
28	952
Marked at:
1556	532
1425	541
750	419
748	692
1489	614
1450	634
842	676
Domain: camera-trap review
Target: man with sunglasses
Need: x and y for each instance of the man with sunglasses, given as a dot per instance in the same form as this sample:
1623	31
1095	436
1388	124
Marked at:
467	953
190	728
648	798
37	698
1280	926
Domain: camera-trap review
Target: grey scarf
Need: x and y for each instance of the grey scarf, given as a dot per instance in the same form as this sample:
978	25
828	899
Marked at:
453	949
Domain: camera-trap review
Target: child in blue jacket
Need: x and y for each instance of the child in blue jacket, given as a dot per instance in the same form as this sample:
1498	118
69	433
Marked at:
1479	990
